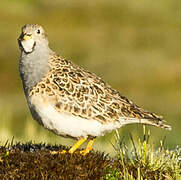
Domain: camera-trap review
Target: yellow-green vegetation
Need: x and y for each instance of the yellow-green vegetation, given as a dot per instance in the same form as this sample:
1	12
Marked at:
142	161
133	45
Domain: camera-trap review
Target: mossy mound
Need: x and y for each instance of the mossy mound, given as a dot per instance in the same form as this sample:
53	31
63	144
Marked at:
35	161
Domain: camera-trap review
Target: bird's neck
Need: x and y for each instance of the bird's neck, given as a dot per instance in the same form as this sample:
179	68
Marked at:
34	66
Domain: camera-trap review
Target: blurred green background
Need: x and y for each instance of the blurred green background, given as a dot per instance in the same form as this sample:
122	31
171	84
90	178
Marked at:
133	45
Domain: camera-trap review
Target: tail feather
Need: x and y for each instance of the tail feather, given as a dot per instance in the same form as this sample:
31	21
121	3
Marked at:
154	122
160	123
136	114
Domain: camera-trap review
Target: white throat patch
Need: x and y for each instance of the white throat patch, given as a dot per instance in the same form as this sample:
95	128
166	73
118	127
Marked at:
28	45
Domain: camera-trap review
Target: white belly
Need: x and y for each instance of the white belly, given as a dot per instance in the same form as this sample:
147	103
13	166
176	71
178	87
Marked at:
69	125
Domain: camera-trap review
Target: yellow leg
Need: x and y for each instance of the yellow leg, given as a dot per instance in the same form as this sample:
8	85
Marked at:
88	147
76	145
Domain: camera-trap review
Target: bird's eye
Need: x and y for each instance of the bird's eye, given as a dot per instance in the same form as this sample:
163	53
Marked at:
38	31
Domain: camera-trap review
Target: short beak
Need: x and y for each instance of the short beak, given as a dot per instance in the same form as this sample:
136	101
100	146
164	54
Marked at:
27	37
24	37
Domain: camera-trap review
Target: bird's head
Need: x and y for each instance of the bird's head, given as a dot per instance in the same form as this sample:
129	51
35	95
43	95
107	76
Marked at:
32	36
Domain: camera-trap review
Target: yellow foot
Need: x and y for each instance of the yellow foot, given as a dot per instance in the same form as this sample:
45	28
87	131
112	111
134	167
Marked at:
63	152
85	151
58	152
76	146
53	152
88	148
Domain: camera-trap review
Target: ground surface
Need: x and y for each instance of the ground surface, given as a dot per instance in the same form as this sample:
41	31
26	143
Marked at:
35	161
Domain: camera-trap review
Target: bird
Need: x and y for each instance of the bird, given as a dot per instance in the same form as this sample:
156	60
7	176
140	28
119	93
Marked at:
69	100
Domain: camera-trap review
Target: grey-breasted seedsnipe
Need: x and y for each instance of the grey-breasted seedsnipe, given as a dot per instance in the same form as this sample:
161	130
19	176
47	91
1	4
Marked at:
68	100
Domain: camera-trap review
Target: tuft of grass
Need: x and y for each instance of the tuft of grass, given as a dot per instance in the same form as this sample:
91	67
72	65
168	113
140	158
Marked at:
112	173
142	161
